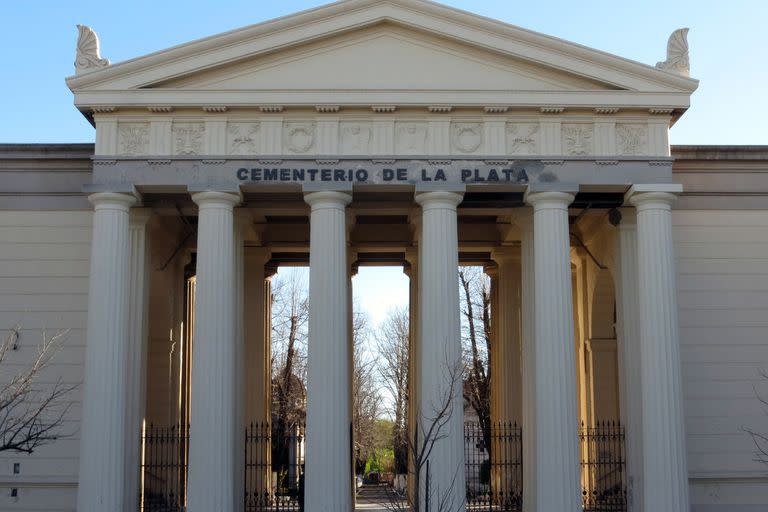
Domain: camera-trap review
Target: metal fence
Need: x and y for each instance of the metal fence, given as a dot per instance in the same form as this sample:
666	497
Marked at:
493	468
603	472
493	458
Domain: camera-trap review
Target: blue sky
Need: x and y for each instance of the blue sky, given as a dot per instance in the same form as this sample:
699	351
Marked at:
728	43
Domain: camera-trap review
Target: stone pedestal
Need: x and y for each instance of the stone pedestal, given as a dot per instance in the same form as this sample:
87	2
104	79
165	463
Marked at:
214	432
328	432
439	367
557	451
102	483
665	473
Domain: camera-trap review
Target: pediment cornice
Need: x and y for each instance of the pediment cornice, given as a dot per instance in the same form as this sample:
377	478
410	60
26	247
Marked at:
136	77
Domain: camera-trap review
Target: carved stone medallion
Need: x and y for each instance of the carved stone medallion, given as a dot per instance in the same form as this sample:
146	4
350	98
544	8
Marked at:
577	139
467	137
188	138
299	137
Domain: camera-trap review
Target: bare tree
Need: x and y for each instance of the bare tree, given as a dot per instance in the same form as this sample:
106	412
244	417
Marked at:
365	395
430	428
31	413
476	334
392	341
759	439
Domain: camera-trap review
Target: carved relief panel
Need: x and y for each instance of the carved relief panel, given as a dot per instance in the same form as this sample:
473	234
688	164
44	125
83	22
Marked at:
299	137
242	138
522	138
133	139
188	138
466	137
355	138
411	138
631	139
578	139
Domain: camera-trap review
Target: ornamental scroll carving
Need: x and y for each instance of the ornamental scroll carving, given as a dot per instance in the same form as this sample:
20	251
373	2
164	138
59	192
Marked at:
677	54
242	138
188	138
467	137
631	139
577	139
522	138
134	138
88	56
299	137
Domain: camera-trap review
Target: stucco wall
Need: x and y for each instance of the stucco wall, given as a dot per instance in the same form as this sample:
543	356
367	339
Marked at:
722	267
44	266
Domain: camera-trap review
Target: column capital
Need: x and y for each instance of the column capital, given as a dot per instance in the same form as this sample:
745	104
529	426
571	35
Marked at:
327	199
112	201
549	200
215	199
505	253
439	199
653	196
139	217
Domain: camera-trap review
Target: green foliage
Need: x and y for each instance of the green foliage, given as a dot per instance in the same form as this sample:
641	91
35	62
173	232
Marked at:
382	460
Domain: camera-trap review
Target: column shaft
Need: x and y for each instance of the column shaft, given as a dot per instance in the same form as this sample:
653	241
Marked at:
528	357
628	346
103	429
327	487
665	474
136	373
557	460
214	432
439	367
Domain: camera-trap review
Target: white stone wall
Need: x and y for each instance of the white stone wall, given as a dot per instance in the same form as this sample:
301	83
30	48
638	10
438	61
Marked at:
44	266
722	273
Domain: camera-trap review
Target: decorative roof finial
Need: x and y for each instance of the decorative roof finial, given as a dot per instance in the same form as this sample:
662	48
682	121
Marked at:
677	54
88	57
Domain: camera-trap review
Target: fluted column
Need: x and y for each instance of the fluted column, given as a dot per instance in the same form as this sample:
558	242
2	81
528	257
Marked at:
665	473
102	483
528	359
138	292
506	378
439	367
327	487
241	221
412	270
256	304
628	346
557	460
213	426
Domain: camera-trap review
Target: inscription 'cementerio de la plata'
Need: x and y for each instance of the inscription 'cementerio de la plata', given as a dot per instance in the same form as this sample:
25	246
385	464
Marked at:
383	175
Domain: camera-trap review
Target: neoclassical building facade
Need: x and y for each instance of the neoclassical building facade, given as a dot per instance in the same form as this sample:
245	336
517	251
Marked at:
629	277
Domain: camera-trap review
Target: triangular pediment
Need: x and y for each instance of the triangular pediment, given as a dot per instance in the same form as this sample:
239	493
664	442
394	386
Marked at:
385	57
390	51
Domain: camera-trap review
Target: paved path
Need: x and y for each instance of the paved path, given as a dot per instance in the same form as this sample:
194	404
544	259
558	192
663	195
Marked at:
372	497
